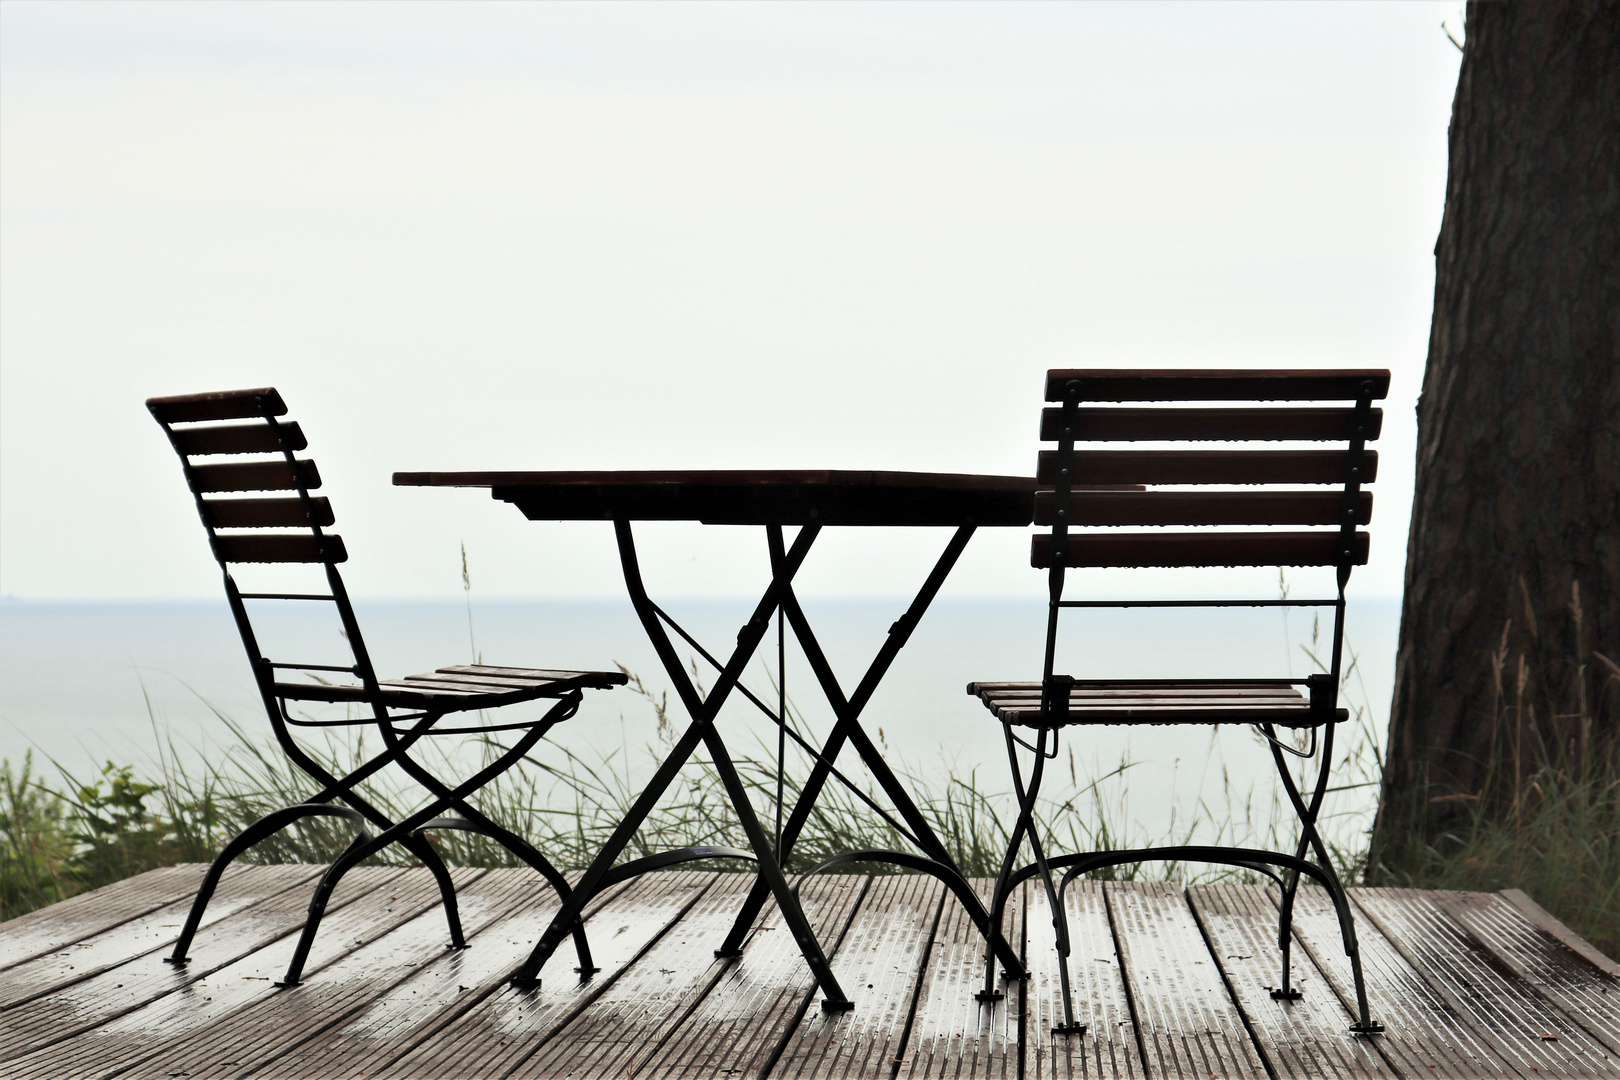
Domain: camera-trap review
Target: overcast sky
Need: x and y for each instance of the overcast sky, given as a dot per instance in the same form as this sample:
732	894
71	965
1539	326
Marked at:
676	235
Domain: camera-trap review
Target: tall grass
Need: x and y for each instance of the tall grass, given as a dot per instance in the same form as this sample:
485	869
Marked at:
1560	842
1545	818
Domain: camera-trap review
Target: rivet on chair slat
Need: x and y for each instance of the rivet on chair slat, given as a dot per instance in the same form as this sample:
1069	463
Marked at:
1207	467
280	549
1211	425
267	513
1203	508
240	439
1200	549
219	405
1171	384
254	476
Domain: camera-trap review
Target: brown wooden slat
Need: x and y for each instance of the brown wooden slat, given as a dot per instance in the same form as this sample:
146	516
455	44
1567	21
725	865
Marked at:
1306	1038
1423	1035
1187	1022
217	405
154	931
1207	467
89	1023
1109	1047
254	476
280	549
47	929
1506	1010
879	964
267	513
759	998
1217	384
1200	549
1586	993
478	682
1202	508
240	439
596	679
1210	425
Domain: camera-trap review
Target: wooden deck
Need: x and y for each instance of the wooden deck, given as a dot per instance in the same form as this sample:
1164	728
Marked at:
1172	983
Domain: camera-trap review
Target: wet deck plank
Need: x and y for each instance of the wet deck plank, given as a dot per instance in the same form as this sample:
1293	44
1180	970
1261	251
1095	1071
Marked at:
952	1033
79	917
740	1023
878	966
1309	1037
1468	984
506	1026
1518	1023
1188	1024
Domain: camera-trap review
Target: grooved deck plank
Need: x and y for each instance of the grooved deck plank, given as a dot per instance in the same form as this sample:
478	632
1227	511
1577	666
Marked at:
50	928
1465	983
878	965
1587	994
238	888
435	993
375	899
1305	1038
247	1043
629	1016
1109	1047
1188	1023
1501	1006
66	1013
1423	1034
506	1026
743	1016
952	1033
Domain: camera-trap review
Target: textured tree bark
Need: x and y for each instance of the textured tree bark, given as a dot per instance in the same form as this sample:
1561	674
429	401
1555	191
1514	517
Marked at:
1517	501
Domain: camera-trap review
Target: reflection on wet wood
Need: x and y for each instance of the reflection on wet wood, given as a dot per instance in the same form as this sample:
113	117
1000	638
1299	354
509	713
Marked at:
1170	982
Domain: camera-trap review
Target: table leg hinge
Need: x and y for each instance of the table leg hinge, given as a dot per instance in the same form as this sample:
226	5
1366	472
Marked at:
989	995
841	1005
1069	1029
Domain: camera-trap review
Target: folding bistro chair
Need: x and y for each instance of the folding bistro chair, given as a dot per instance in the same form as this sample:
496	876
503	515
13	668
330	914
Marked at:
1332	497
261	456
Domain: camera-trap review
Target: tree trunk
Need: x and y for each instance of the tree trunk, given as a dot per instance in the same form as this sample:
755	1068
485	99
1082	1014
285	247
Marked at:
1510	627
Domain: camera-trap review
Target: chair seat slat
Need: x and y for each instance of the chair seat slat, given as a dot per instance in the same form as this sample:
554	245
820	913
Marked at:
1123	703
1206	467
1211	425
1203	507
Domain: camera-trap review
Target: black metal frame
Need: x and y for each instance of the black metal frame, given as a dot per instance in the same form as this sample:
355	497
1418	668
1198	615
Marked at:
778	600
1055	691
389	720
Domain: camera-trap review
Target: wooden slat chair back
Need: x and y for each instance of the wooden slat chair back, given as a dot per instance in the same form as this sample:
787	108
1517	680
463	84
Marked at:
1303	504
255	496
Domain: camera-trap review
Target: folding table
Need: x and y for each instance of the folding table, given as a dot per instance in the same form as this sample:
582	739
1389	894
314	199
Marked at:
774	500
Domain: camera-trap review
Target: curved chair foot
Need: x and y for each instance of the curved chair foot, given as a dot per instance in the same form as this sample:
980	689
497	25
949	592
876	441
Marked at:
262	829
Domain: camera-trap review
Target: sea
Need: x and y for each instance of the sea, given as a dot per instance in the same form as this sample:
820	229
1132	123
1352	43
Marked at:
85	683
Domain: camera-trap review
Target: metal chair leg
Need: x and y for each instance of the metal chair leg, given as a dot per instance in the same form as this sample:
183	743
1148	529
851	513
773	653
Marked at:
265	827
